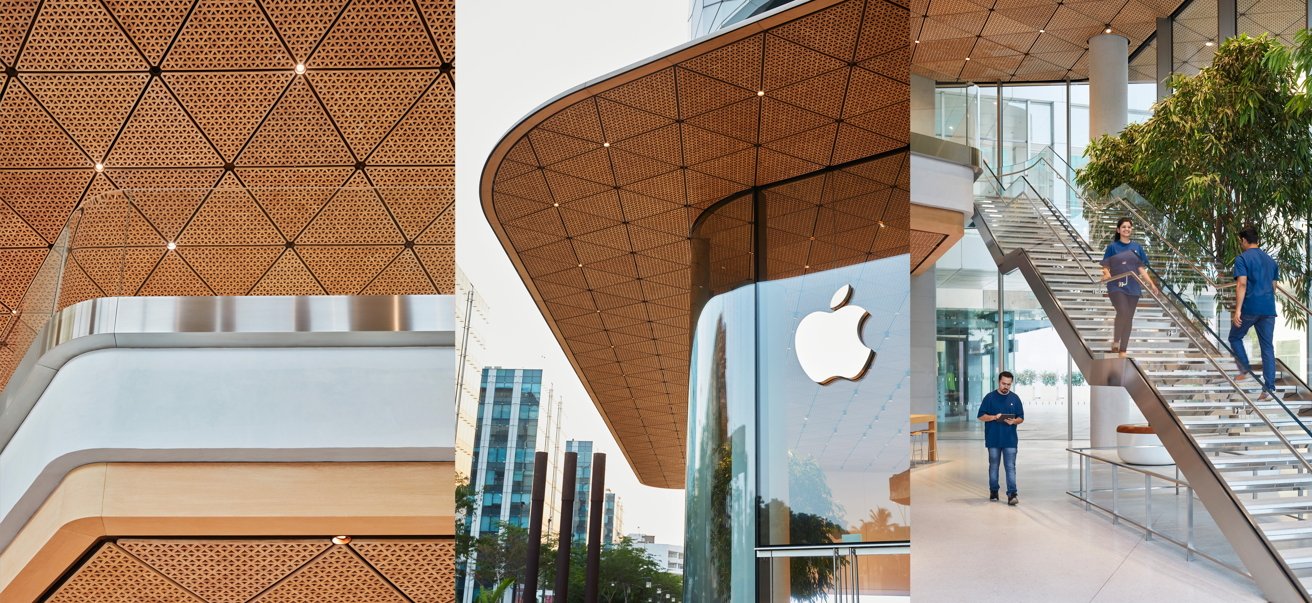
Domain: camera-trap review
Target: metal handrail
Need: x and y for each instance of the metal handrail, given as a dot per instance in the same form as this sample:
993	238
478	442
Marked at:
1180	324
1047	223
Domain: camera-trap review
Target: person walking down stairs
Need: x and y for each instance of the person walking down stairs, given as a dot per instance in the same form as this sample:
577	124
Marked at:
1121	257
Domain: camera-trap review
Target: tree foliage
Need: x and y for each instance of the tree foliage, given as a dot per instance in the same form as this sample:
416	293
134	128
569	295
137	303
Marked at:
1231	146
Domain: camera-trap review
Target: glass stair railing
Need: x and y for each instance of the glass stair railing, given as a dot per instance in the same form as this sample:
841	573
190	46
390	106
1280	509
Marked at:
1248	459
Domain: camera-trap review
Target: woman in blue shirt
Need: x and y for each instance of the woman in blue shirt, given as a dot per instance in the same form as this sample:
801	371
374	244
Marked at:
1125	291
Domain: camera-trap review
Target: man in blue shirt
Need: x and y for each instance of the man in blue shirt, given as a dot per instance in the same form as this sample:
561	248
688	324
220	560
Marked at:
1255	306
1000	433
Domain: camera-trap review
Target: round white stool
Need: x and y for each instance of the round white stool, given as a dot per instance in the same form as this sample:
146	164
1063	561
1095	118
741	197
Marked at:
1136	444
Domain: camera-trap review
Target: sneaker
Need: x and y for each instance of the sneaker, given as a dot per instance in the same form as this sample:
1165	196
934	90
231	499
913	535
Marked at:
1012	500
993	495
1242	376
1267	395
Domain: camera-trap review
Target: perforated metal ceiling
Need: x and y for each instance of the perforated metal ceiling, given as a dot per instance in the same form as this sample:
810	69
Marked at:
264	571
1000	40
594	195
177	97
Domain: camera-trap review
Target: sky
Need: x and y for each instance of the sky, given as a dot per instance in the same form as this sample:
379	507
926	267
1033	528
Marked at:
513	56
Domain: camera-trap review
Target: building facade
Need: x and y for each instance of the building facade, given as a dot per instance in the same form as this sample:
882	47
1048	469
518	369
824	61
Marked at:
668	556
612	519
582	489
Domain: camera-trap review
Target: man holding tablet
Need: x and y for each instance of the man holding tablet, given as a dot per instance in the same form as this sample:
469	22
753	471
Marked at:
1001	411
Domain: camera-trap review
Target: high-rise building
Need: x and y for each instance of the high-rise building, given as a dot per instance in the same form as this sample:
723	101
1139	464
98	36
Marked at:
514	422
612	519
582	488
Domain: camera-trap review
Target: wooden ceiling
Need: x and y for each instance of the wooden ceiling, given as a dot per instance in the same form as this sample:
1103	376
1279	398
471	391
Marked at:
280	146
594	195
375	570
1000	40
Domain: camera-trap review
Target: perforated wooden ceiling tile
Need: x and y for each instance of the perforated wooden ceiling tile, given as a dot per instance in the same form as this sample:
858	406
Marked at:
168	93
113	576
224	572
784	87
423	569
78	35
91	107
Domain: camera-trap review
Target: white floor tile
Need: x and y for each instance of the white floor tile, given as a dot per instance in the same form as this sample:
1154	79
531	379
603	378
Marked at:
1047	548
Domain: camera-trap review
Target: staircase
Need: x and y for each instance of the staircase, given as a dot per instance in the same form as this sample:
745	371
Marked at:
1249	461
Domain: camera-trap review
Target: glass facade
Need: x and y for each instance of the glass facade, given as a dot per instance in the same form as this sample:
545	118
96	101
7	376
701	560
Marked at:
784	450
706	16
582	488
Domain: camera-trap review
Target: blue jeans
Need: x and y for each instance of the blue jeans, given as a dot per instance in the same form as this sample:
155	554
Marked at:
1266	326
1009	459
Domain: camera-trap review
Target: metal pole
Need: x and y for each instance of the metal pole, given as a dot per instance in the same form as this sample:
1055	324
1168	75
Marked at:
1002	325
535	527
598	497
566	527
1070	398
1148	506
1165	56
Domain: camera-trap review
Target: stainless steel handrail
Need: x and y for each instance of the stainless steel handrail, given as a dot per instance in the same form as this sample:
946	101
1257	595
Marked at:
1188	332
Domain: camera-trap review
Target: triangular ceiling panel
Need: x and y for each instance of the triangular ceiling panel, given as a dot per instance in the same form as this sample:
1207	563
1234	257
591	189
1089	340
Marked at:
174	277
97	43
168	198
339	222
439	262
20	267
43	199
292	196
346	270
655	93
381	34
230	270
699	94
440	15
288	276
787	63
28	127
91	107
226	571
442	231
151	25
227	34
118	271
302	24
404	274
426	136
15	18
416	196
297	132
367	104
75	286
160	133
738	63
228	106
230	216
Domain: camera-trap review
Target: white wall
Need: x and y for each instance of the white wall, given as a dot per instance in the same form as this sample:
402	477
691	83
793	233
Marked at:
230	404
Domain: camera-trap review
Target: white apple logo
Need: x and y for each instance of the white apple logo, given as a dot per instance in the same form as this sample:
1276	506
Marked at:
829	343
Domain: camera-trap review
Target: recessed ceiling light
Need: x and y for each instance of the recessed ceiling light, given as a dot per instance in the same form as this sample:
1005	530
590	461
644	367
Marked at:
605	144
881	223
1108	30
580	265
100	167
300	68
172	245
1043	31
341	539
760	93
1207	43
555	205
917	41
967	58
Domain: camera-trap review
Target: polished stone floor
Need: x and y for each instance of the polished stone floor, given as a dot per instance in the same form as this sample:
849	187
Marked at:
1048	548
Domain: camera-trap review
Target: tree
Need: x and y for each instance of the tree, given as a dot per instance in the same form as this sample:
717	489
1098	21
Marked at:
1231	146
500	555
1026	377
1049	378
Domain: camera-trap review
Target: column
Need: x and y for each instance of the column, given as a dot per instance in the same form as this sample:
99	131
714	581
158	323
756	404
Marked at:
924	340
1109	84
922	105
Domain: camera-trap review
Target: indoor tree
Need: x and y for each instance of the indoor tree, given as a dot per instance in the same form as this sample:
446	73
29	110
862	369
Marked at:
1231	146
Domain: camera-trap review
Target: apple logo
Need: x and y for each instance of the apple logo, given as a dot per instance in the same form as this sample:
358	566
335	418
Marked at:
829	344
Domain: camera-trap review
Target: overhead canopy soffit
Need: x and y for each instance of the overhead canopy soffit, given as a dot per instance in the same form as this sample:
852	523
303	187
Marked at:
175	98
594	194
